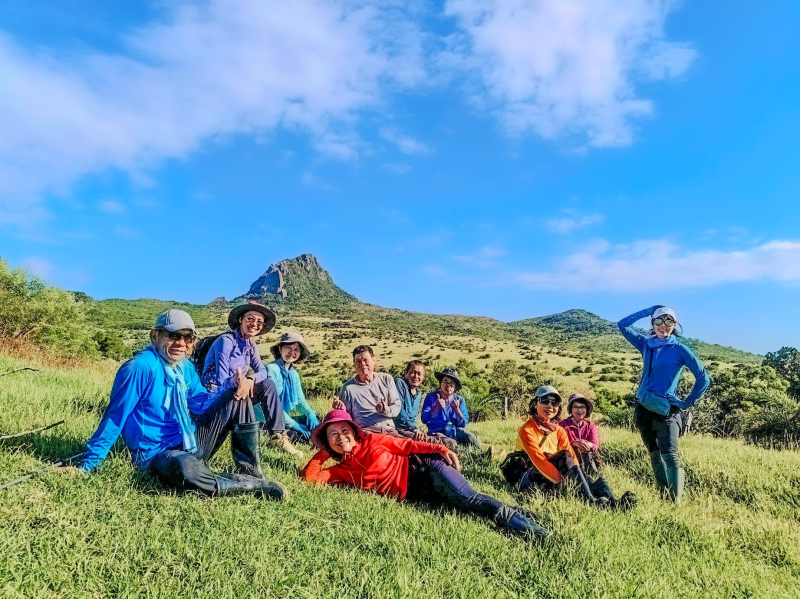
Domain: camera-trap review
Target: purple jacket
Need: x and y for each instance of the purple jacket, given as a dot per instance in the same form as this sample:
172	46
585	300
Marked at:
587	431
228	353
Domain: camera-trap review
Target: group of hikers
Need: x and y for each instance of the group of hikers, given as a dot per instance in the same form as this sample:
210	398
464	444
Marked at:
175	413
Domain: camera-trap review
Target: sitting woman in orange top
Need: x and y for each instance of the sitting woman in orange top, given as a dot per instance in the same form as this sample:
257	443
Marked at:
553	459
404	469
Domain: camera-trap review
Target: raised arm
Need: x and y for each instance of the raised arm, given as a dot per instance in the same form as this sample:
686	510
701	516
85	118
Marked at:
462	421
129	385
701	378
633	336
430	407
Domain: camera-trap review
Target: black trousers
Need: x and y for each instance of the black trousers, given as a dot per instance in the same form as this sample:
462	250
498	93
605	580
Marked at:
268	407
660	433
533	479
178	468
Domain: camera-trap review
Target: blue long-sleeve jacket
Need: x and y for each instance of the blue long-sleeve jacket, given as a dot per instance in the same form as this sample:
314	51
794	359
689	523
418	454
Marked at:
409	406
135	410
445	420
299	401
226	354
663	363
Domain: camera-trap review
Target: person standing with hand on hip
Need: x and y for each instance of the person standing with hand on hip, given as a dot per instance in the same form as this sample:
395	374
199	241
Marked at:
658	414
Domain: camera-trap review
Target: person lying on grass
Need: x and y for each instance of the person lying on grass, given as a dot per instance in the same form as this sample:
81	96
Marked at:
172	426
543	448
411	396
583	433
659	411
404	469
288	352
237	351
371	397
445	411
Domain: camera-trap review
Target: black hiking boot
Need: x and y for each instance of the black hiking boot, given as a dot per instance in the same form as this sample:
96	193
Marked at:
240	484
246	449
627	502
519	522
576	474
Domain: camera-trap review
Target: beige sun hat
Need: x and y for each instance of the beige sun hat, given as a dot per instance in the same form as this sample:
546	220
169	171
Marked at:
291	337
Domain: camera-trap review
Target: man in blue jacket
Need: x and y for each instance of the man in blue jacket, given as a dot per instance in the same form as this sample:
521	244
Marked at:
172	426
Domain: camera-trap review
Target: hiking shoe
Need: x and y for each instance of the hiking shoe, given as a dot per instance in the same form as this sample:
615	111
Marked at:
626	502
502	456
281	441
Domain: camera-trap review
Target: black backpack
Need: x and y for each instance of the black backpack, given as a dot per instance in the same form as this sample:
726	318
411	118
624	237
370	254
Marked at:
201	351
514	466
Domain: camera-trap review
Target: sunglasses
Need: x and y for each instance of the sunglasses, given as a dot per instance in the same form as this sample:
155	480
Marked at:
550	401
187	337
666	321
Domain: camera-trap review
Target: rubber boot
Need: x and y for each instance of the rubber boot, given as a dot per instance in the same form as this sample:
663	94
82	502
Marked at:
519	522
676	478
575	473
659	469
600	488
246	449
240	484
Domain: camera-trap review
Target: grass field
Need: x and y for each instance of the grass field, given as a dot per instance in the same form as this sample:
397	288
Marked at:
118	533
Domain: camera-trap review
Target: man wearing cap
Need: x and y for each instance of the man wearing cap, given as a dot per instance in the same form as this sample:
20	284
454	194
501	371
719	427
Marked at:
171	424
288	352
233	355
445	411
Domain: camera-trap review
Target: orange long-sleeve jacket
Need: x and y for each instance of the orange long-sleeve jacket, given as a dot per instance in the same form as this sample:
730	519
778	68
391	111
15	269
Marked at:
540	447
378	463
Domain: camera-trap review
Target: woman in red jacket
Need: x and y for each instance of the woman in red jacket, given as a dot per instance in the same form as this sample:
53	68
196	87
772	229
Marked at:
404	469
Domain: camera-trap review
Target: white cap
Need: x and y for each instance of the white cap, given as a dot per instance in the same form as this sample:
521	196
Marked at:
664	311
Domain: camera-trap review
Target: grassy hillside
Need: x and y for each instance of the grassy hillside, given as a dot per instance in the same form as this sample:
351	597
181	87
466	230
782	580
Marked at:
118	533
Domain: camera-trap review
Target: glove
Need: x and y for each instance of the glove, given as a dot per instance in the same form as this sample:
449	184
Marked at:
312	420
303	430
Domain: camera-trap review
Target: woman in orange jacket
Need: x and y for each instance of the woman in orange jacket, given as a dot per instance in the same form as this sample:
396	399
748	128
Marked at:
547	446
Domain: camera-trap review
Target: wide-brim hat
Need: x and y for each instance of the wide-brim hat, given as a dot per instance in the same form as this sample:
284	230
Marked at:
548	390
450	373
319	436
583	399
251	306
291	337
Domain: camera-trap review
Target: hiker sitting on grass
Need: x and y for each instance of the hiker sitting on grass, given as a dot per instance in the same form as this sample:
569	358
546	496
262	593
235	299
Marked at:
545	459
583	435
445	411
236	351
404	469
658	414
411	395
288	352
172	425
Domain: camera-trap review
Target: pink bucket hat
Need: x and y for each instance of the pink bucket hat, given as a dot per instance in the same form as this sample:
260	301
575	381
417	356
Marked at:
319	434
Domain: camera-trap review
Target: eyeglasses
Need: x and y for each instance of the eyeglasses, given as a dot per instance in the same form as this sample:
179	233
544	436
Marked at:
251	320
665	321
550	401
187	337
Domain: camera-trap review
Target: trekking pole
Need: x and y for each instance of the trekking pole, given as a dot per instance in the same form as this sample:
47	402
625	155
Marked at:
20	370
36	430
52	466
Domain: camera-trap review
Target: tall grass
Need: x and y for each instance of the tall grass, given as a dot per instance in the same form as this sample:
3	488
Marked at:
119	533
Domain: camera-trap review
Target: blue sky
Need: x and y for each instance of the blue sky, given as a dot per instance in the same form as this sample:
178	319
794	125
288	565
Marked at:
501	158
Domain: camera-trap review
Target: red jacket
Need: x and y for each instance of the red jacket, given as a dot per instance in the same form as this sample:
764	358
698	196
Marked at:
378	463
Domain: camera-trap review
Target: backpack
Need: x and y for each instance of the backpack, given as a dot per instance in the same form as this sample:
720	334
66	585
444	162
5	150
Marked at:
201	351
514	466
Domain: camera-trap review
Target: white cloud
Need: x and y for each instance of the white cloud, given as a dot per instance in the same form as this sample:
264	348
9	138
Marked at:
396	168
486	257
404	143
564	67
111	206
566	225
660	264
205	71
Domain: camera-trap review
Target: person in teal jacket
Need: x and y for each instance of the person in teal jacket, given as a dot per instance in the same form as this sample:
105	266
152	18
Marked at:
291	350
659	411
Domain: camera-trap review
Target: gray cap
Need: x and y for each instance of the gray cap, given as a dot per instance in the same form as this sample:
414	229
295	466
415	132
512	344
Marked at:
547	390
175	320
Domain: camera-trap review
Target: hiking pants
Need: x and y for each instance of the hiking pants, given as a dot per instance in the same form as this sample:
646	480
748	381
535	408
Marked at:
533	479
463	437
660	433
268	407
432	480
184	470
